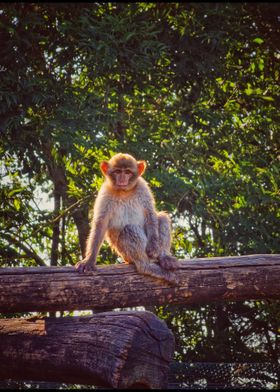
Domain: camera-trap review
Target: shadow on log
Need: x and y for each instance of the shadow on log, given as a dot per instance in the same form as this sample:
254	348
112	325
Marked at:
114	349
200	281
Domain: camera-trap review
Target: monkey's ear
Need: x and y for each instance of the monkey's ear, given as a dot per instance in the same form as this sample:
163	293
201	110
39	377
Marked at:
104	166
141	166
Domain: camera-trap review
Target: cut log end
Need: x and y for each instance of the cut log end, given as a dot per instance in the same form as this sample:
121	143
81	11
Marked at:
115	349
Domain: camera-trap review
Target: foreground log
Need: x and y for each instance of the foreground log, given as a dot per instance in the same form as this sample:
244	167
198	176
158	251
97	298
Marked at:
200	281
115	349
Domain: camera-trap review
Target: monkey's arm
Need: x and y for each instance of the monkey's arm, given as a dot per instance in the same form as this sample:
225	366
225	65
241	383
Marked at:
94	242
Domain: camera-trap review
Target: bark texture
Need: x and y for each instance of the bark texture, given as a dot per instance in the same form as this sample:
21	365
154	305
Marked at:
114	286
115	349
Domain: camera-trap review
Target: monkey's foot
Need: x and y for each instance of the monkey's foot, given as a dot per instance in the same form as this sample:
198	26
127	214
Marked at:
168	262
171	278
85	266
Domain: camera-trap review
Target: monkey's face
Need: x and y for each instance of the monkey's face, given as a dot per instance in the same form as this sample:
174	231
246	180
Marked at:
122	178
122	171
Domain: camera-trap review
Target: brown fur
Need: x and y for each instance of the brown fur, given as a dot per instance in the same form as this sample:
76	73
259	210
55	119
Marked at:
127	217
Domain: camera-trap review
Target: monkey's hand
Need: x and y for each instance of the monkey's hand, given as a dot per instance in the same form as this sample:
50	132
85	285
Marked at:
153	248
85	265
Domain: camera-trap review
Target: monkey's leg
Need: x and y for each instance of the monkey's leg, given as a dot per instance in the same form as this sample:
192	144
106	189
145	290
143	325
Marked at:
131	246
166	260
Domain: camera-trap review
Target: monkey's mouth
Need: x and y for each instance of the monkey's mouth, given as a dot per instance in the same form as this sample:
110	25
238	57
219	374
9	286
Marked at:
122	184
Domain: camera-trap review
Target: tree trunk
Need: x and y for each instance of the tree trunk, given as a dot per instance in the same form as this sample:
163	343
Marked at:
56	229
80	216
115	349
58	177
112	286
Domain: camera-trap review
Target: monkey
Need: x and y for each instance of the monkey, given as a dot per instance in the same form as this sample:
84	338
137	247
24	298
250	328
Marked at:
125	215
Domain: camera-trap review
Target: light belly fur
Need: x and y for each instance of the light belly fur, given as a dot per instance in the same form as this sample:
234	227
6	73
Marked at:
122	214
126	214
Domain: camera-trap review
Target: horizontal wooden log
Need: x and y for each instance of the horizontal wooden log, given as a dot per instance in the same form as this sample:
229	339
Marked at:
113	286
115	349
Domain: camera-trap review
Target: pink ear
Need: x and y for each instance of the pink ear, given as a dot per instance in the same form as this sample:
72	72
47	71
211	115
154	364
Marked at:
104	166
141	166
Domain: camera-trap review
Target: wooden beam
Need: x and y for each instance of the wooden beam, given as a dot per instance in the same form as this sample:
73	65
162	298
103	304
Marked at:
114	286
115	349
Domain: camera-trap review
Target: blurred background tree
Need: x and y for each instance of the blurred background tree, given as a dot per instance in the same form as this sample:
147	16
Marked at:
192	88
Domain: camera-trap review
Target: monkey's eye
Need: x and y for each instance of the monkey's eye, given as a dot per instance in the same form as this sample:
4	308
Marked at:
117	171
128	172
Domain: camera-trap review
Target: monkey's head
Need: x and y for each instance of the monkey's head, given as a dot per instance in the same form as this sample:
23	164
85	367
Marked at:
122	171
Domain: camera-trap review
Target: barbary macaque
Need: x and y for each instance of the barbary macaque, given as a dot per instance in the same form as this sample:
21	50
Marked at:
125	214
